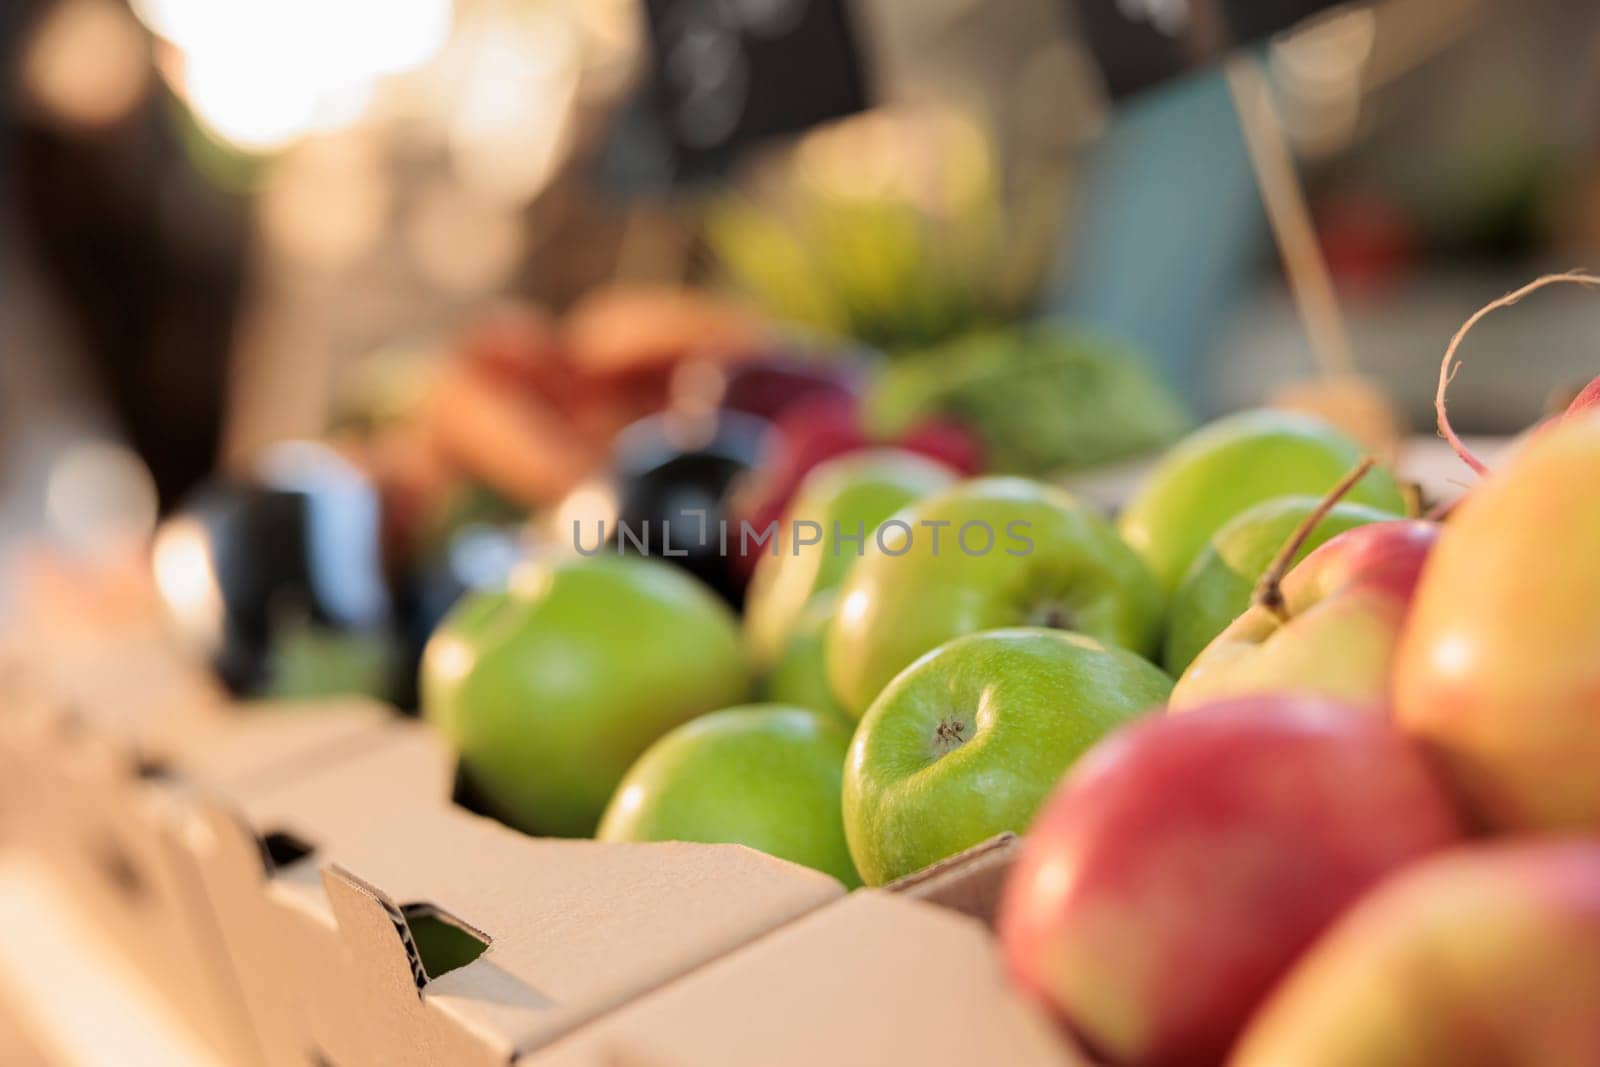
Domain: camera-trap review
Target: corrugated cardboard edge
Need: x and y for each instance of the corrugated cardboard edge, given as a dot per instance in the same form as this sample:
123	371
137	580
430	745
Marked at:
123	793
874	978
356	914
969	882
222	848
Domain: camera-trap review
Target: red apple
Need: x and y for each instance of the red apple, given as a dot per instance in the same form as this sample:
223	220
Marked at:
1187	861
1479	957
1334	633
1499	664
769	384
1586	401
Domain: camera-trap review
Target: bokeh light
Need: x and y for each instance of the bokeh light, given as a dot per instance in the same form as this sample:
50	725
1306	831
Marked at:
86	63
261	73
100	496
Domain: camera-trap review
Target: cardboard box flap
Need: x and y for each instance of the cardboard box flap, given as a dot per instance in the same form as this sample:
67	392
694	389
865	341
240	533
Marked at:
403	767
969	882
254	743
105	809
568	929
582	926
135	693
876	978
395	984
375	929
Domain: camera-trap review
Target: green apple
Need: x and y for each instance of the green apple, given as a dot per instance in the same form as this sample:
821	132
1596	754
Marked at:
969	741
798	677
1233	463
1219	584
765	775
982	555
550	690
850	495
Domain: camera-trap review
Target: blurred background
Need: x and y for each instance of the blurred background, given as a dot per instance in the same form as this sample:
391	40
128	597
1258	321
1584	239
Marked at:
357	286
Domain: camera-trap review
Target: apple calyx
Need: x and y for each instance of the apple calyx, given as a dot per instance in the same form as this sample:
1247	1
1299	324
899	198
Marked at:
1450	365
948	736
1269	591
1052	615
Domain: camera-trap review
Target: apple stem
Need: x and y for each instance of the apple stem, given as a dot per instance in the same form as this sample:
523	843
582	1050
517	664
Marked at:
1269	591
1450	365
1442	511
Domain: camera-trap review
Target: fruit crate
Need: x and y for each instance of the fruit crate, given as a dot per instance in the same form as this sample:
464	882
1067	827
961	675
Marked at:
301	883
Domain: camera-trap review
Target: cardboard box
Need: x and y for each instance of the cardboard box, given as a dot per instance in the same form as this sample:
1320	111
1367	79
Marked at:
402	931
969	882
89	790
303	886
127	684
18	1048
73	707
882	977
77	723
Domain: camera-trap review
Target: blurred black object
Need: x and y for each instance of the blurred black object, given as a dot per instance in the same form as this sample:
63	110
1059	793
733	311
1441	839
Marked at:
674	474
145	256
1140	43
256	545
729	74
280	581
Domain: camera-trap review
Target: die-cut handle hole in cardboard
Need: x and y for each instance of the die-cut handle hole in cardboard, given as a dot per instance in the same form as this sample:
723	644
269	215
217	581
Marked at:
379	931
443	942
280	849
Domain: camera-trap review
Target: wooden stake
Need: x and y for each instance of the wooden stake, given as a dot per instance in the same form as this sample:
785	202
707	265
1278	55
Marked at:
1284	198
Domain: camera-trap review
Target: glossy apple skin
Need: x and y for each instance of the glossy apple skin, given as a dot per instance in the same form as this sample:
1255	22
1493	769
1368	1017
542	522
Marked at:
1217	589
764	775
968	741
1499	665
1187	861
1232	464
1077	575
1347	603
1479	957
549	691
856	492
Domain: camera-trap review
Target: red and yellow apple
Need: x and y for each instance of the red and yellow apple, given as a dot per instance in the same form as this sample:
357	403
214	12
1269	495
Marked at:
1188	860
1479	957
1336	630
1587	401
1499	665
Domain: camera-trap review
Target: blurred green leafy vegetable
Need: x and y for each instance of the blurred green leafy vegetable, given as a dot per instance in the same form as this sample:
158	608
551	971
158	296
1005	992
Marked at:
1042	398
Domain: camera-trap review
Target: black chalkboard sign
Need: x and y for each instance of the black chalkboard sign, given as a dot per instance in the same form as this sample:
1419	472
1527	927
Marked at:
1139	43
731	72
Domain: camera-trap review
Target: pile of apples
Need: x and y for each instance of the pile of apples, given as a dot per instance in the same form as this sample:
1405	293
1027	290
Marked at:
1367	830
1304	780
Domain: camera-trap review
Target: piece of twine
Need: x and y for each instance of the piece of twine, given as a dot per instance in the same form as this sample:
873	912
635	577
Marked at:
1450	365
